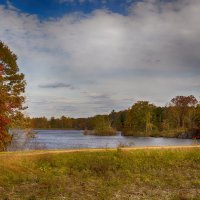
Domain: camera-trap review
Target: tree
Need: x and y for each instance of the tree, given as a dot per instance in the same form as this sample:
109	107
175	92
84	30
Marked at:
158	117
12	86
103	126
197	116
183	107
139	118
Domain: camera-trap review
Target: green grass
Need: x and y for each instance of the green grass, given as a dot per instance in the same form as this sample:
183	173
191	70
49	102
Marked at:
137	174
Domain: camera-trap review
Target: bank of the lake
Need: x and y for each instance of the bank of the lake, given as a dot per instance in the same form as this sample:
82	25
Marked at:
161	173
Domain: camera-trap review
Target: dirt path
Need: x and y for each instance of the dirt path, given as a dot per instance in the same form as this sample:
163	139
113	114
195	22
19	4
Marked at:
41	152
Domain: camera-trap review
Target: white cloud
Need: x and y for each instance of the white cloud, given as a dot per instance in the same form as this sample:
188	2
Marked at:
153	53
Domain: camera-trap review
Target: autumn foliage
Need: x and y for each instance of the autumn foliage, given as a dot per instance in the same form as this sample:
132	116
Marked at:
12	85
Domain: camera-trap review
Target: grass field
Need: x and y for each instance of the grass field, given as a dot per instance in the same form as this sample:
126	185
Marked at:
110	174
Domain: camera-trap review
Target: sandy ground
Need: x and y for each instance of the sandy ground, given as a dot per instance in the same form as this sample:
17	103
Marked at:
57	151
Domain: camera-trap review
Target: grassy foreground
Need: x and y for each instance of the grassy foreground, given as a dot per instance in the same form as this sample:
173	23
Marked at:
117	174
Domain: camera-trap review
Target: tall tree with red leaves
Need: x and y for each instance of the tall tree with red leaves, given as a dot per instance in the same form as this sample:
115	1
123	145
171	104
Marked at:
12	87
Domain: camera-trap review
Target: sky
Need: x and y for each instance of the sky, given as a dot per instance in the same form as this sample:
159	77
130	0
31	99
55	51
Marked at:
87	57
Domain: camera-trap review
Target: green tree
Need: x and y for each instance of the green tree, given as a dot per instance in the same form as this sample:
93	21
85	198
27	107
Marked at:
197	116
158	117
40	122
103	126
12	86
139	119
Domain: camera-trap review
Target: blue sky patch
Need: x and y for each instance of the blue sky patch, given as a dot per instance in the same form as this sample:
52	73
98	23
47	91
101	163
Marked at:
57	8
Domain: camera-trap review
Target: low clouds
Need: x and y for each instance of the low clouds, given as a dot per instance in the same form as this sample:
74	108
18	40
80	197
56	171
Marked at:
153	53
57	85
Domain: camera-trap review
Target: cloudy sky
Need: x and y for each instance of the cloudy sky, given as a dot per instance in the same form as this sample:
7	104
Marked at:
86	57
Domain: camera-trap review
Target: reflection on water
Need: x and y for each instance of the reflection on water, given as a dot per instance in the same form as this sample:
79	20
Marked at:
61	139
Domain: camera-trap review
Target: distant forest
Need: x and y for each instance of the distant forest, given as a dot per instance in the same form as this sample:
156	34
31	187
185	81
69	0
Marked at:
181	115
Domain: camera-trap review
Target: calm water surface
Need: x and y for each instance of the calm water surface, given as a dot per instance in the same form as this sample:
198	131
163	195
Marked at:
61	139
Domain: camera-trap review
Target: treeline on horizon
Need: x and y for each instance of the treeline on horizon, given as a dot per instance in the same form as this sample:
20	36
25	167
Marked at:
181	115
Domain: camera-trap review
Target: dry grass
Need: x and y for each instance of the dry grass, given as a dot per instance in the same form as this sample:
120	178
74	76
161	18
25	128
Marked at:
117	174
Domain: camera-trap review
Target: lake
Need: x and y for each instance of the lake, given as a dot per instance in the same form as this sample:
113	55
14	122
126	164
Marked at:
72	139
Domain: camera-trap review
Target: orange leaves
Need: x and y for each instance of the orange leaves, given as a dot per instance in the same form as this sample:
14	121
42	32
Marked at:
1	69
4	137
4	121
184	101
